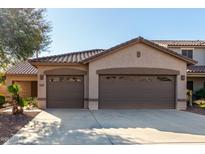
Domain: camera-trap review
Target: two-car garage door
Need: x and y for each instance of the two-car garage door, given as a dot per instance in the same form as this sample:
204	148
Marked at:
132	91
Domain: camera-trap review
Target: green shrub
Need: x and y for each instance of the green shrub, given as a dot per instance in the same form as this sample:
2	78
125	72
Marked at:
200	103
2	100
14	89
200	94
29	102
17	101
23	102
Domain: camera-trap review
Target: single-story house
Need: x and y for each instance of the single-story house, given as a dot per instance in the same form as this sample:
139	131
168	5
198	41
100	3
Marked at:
133	75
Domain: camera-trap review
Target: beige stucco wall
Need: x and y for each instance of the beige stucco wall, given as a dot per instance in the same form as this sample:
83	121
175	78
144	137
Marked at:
42	83
3	89
198	54
178	50
126	57
10	78
25	88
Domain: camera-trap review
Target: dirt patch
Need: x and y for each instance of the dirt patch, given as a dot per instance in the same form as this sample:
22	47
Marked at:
11	124
196	109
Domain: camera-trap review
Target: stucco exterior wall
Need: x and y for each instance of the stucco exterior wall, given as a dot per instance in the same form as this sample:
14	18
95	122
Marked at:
11	78
177	50
3	89
127	57
198	54
42	81
25	88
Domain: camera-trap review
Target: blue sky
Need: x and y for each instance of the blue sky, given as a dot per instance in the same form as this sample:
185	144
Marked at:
82	29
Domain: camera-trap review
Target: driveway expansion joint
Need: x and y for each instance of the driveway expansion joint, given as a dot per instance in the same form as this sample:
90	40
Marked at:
91	112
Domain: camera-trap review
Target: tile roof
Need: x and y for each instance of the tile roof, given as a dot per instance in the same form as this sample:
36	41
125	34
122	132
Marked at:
172	43
145	41
88	55
196	69
22	68
72	57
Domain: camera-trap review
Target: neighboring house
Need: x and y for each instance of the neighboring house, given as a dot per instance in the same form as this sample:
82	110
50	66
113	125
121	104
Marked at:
135	74
25	75
194	50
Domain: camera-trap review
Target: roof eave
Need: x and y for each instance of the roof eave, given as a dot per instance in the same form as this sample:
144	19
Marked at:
185	46
20	74
36	64
195	74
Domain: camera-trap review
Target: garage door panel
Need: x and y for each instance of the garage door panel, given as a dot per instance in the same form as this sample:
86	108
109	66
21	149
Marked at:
136	105
118	91
65	91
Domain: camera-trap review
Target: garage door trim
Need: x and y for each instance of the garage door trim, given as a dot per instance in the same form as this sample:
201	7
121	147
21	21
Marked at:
137	71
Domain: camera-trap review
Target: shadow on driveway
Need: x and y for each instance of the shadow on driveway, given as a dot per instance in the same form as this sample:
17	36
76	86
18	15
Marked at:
63	126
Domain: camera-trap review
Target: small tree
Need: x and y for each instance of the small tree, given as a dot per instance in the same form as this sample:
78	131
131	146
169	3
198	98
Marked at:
14	90
24	32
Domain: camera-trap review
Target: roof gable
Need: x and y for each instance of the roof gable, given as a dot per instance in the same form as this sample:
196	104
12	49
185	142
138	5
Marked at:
140	40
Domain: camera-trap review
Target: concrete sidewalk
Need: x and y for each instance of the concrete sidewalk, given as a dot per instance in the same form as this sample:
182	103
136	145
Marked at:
66	126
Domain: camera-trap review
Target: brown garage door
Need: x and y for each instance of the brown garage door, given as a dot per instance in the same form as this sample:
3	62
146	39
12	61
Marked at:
126	91
65	91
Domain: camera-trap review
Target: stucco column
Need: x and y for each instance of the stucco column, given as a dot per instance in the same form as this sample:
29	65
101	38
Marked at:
41	90
93	90
181	92
86	91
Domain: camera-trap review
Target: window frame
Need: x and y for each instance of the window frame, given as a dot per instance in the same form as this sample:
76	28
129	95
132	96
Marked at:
186	50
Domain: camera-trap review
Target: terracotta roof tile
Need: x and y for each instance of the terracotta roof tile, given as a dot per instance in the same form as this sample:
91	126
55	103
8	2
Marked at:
172	43
196	69
22	68
72	57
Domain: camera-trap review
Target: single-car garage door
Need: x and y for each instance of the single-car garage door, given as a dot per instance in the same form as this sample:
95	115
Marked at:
132	91
65	91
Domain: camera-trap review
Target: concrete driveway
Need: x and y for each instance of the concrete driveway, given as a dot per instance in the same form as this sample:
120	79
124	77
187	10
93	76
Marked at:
64	126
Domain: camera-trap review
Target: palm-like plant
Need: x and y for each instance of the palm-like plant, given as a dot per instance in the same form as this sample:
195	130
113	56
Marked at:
14	90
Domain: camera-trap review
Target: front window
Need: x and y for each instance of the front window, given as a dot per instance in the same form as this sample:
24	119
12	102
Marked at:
188	53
